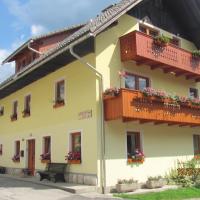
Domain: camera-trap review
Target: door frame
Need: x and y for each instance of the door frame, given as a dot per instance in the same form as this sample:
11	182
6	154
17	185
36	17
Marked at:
27	151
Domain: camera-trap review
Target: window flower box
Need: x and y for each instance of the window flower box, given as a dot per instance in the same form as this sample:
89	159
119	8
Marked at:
127	186
16	158
59	103
161	41
26	113
73	157
111	92
137	157
45	157
155	182
13	117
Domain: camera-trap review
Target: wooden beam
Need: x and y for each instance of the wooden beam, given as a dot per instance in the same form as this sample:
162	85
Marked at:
182	125
158	123
181	73
145	121
197	80
167	70
172	124
192	76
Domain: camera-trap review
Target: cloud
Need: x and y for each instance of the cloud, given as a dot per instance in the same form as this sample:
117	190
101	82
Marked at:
7	69
37	29
55	14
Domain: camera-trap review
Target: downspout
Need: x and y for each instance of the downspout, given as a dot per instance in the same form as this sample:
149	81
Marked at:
34	50
102	135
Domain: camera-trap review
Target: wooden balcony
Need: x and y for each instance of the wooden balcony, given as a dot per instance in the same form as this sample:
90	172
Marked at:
140	47
131	105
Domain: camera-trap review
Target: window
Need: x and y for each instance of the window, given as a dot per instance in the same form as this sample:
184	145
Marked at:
75	147
133	143
148	30
60	93
1	110
1	149
16	157
46	148
136	82
14	112
196	144
194	93
27	106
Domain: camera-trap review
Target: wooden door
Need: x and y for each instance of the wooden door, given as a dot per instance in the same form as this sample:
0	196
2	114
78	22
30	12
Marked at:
31	156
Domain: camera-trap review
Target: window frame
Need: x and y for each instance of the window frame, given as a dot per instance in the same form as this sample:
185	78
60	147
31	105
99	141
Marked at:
17	148
137	77
70	142
27	108
1	110
61	102
44	144
14	114
196	90
1	149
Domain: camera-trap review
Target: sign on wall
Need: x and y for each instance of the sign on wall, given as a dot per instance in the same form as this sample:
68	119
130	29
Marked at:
85	114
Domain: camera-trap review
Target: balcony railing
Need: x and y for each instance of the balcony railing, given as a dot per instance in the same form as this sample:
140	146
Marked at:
141	48
132	105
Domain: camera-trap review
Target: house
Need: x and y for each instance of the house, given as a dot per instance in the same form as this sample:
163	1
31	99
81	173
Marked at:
53	106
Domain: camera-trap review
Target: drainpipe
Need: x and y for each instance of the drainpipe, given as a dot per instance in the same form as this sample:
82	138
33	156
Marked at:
34	50
100	76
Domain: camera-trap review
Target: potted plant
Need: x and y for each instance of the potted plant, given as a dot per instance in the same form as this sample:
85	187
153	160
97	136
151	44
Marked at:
196	54
111	92
136	157
161	40
45	157
13	117
26	112
155	182
127	185
73	157
59	102
16	158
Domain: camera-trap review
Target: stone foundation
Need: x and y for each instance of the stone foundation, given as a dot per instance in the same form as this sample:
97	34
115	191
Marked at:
76	178
82	179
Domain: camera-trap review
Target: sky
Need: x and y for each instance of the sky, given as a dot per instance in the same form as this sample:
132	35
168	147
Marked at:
22	19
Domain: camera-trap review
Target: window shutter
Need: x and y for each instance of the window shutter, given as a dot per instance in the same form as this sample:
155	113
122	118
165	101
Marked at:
137	141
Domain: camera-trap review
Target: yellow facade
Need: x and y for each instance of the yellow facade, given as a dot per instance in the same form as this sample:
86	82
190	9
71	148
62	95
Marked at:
162	145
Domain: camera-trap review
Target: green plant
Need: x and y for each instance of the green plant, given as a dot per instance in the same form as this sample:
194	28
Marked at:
154	178
127	181
196	53
161	40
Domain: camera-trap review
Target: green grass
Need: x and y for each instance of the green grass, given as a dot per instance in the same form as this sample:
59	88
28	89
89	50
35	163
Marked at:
176	194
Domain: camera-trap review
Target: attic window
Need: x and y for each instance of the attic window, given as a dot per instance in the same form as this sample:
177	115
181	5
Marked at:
148	30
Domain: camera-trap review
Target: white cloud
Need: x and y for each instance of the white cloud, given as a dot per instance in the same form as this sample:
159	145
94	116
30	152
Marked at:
37	29
55	14
7	69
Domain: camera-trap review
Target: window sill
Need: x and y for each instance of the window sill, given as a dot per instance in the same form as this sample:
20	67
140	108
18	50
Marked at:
26	115
132	161
74	161
58	104
45	161
16	161
13	119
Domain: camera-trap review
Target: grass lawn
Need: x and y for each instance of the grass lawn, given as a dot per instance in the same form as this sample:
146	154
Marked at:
176	194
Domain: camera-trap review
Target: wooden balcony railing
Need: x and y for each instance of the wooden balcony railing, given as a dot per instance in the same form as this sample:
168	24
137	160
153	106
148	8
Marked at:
141	48
131	105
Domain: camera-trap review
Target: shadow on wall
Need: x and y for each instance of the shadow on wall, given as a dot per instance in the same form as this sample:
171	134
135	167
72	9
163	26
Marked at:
157	141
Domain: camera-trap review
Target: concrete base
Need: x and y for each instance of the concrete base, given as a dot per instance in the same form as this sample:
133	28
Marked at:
83	179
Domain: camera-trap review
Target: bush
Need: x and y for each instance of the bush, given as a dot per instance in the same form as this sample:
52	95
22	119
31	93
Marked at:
187	176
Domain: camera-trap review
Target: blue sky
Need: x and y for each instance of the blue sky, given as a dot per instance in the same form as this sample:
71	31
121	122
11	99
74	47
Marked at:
21	19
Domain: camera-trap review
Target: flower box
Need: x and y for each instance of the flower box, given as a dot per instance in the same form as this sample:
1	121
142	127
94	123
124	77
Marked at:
59	103
74	161
26	113
13	117
45	161
131	161
157	183
127	187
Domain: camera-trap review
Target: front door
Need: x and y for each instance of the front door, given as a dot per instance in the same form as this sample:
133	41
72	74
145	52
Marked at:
31	156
